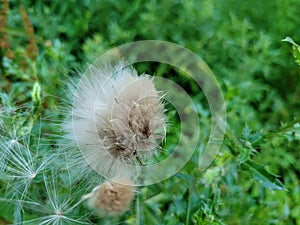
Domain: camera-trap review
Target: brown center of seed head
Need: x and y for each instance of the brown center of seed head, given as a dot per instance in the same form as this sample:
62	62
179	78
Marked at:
133	129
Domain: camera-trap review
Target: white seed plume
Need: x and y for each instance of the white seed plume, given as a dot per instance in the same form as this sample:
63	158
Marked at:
117	119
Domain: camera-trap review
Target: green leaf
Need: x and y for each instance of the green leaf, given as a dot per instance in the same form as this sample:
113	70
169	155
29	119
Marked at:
296	53
244	155
296	49
292	132
290	40
36	97
261	175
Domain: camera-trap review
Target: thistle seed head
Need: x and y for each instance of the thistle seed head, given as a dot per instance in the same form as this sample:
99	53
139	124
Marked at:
111	198
135	122
117	116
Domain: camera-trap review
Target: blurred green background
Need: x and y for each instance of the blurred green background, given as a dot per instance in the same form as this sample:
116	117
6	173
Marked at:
45	42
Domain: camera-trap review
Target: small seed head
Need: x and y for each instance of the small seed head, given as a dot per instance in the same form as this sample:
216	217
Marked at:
111	198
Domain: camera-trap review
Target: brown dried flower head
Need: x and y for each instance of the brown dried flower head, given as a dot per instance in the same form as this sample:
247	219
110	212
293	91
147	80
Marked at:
111	198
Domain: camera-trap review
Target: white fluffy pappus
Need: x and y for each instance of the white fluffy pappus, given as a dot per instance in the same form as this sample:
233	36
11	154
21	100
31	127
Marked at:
117	119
